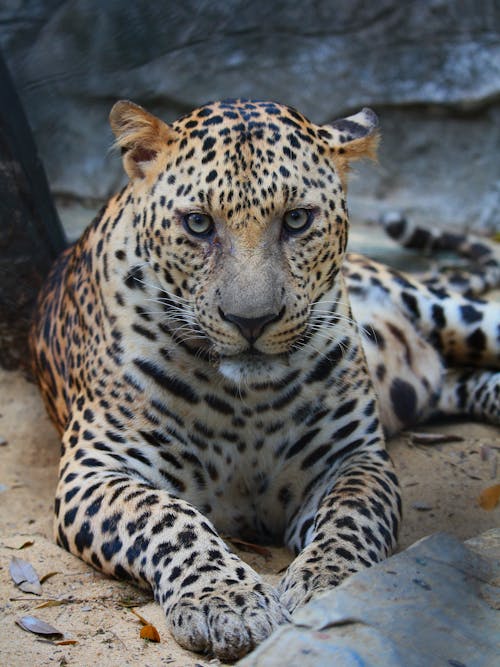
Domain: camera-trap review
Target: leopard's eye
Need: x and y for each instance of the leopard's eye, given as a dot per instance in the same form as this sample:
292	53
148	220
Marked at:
297	220
198	224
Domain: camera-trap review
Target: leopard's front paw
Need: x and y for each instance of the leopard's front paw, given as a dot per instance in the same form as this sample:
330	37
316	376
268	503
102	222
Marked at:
305	579
227	623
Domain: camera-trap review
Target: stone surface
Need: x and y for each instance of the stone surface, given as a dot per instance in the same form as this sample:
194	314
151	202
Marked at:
72	59
439	166
434	604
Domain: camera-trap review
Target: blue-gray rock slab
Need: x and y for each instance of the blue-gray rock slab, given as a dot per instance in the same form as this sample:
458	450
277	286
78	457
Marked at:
435	604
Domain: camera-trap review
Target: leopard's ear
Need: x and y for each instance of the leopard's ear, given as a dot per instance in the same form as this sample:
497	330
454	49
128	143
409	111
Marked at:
140	136
352	138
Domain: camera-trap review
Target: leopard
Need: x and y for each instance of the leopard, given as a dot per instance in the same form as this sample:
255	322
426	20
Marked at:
217	364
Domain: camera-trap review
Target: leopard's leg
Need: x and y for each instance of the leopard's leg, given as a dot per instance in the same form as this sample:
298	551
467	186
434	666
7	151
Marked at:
113	517
470	393
347	525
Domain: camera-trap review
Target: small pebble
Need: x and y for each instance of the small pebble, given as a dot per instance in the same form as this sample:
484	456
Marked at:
421	507
486	453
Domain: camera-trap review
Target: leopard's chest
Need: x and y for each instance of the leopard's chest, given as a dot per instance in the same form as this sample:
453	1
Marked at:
225	451
240	467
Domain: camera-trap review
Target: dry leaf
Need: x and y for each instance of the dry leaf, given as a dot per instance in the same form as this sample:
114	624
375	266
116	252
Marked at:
47	576
490	497
434	438
141	618
24	576
38	627
150	632
24	545
66	642
52	603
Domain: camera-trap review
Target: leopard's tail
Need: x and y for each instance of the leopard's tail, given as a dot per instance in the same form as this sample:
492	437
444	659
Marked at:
482	272
470	391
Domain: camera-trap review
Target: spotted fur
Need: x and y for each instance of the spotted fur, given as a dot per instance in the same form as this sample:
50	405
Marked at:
198	353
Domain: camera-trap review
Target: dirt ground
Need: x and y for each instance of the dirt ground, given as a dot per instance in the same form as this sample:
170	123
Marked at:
440	483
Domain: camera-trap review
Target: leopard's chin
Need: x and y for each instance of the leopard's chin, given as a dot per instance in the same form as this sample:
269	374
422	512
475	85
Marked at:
251	368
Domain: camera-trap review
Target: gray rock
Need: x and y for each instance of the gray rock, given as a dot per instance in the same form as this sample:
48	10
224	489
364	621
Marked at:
71	60
434	604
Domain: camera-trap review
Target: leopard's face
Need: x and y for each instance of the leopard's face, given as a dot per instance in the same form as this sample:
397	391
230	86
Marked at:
242	217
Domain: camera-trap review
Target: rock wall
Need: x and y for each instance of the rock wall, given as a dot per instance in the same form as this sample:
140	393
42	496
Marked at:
431	69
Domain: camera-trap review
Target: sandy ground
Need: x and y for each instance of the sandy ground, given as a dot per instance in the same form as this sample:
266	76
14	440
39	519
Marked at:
441	484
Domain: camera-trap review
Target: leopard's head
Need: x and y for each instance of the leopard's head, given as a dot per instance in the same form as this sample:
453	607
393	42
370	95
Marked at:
240	211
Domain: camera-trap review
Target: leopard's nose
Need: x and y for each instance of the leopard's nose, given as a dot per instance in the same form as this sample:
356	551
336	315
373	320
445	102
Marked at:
251	328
